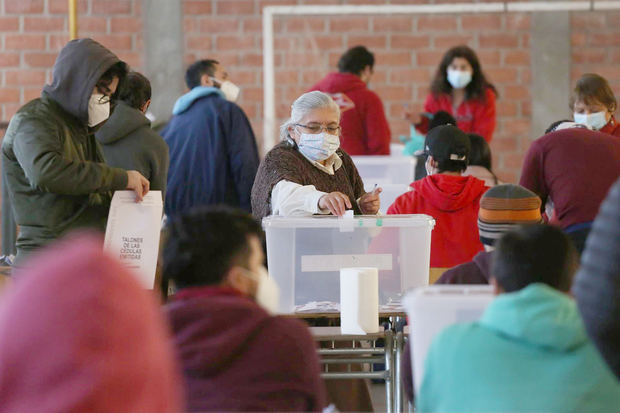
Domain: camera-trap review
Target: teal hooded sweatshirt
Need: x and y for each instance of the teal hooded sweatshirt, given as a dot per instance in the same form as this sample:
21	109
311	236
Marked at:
528	353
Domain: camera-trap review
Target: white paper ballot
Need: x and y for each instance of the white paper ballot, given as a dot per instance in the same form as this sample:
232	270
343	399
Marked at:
133	230
359	300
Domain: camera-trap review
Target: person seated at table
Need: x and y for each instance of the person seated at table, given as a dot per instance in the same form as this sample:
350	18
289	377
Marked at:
502	208
308	173
78	333
529	343
235	355
450	198
437	119
480	161
593	103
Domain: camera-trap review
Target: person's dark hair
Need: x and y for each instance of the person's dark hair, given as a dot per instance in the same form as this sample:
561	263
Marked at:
441	117
534	254
119	70
448	165
203	244
555	124
197	69
592	88
477	86
135	90
355	60
480	153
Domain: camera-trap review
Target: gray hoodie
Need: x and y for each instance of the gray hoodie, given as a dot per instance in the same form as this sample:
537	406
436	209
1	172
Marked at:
129	143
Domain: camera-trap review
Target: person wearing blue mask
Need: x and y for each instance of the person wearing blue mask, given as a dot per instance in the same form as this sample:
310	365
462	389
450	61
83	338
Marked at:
213	151
593	104
461	89
308	173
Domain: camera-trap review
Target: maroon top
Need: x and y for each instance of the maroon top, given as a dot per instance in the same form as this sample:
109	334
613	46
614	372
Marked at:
476	271
236	357
575	168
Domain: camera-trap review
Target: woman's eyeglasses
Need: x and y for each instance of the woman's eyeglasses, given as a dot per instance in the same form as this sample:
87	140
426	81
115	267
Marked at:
317	128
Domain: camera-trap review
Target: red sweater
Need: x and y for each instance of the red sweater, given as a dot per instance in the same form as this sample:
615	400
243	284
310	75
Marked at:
575	168
453	201
472	116
612	127
365	130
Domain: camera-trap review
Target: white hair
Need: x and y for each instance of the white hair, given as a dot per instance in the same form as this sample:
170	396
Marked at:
304	104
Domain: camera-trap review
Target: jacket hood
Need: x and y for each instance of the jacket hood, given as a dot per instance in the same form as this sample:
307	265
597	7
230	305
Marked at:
449	192
184	102
340	82
208	341
79	333
538	315
78	67
123	121
483	261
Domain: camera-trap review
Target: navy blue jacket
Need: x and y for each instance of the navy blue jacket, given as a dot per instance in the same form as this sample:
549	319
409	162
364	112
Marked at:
213	153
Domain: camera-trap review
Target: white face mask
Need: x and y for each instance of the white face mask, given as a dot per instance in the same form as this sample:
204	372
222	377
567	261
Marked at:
459	78
97	112
228	88
319	146
267	290
596	121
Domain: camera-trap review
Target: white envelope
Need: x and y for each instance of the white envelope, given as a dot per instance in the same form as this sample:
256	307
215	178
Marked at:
133	231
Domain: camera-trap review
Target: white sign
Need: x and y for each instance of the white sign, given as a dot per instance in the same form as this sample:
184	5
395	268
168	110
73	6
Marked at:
133	231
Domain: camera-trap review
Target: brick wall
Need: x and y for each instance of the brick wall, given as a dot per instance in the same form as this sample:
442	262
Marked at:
32	32
407	49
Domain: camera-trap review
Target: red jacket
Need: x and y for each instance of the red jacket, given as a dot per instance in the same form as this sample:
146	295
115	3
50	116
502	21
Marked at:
365	130
472	116
453	201
612	127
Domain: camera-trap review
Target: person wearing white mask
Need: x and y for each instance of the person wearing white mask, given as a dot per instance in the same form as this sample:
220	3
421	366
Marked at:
461	89
213	151
594	104
55	173
236	355
308	173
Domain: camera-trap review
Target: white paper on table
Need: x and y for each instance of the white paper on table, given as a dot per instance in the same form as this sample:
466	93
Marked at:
359	300
132	233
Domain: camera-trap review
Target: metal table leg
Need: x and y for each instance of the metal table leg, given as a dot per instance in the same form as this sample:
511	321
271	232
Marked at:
399	394
389	369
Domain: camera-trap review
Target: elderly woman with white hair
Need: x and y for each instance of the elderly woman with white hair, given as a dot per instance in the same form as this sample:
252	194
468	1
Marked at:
308	173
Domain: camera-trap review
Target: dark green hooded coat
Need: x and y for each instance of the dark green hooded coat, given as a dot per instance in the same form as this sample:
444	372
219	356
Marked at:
55	174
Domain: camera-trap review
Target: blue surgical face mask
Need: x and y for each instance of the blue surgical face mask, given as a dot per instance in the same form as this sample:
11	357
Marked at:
319	146
596	121
459	78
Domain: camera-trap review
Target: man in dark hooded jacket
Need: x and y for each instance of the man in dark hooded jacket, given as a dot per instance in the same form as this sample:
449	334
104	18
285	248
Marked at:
55	171
127	138
213	152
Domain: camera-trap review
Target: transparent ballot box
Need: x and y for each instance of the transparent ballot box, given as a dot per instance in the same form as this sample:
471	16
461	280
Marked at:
396	149
383	170
432	308
305	255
